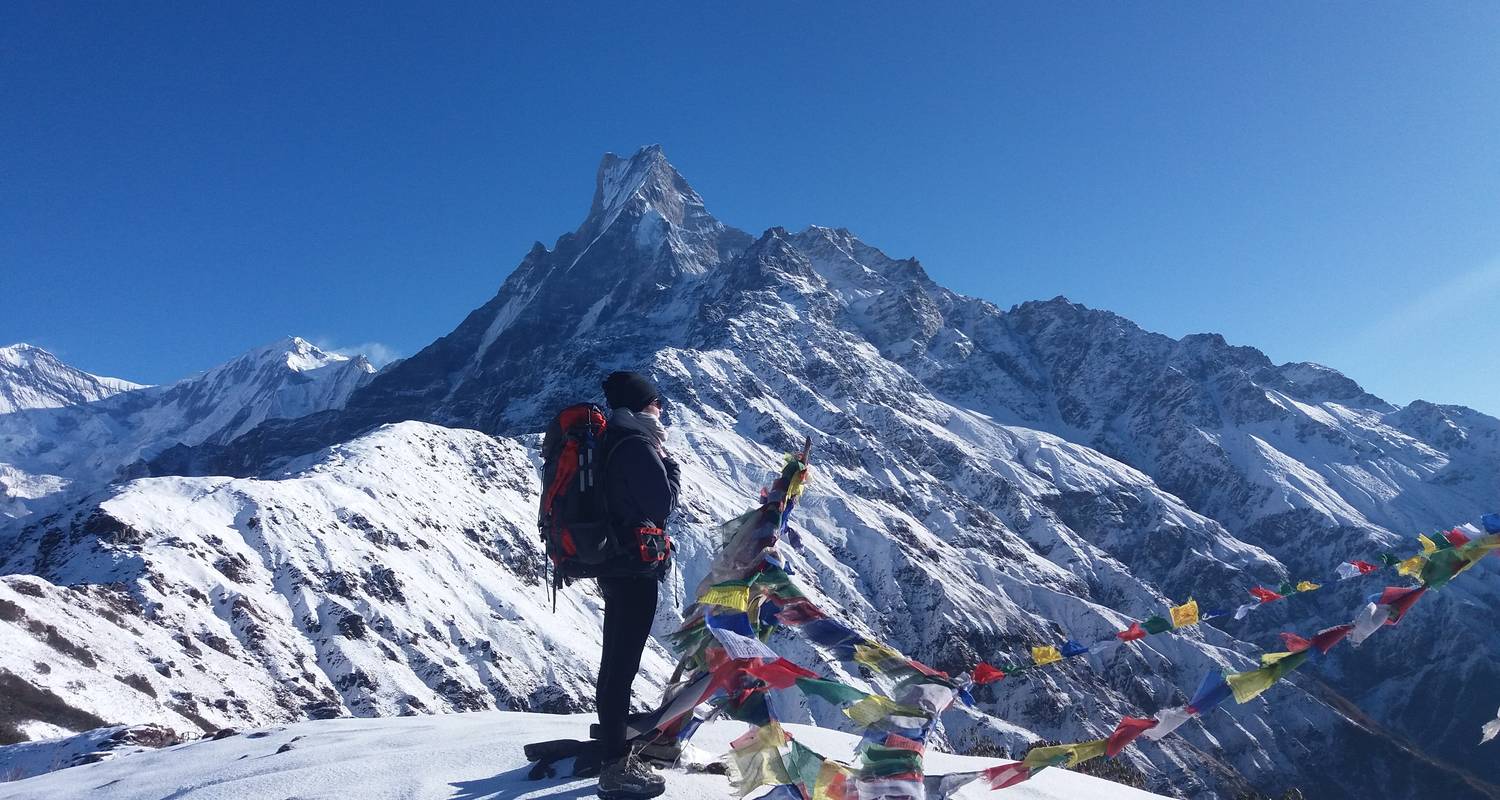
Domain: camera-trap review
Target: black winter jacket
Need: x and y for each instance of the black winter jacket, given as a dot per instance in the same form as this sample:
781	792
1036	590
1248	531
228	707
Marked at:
641	490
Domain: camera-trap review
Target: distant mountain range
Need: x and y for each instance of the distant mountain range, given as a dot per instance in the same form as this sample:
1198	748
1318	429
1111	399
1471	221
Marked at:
78	430
295	535
31	377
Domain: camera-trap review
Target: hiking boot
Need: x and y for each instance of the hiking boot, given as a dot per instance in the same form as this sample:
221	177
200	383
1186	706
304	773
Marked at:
628	778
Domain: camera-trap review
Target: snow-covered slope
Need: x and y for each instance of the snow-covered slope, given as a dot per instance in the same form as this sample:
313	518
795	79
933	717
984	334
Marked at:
84	445
392	575
437	758
31	377
970	501
1296	459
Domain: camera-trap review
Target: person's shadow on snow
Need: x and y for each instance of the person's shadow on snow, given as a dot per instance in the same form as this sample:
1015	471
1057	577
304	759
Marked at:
517	784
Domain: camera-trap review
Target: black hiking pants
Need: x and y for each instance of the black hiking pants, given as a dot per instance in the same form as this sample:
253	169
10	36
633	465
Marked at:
629	608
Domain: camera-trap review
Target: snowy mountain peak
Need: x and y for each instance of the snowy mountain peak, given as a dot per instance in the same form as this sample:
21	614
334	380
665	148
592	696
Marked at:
18	353
32	378
647	185
298	355
1327	384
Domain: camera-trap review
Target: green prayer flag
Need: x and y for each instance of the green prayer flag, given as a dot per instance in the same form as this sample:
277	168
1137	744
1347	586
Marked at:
1441	566
1156	624
832	691
880	760
694	640
803	764
777	582
753	709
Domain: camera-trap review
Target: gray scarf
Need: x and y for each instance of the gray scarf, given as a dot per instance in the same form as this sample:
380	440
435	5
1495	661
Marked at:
644	424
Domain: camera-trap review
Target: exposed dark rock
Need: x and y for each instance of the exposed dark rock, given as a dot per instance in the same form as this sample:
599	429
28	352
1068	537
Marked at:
21	702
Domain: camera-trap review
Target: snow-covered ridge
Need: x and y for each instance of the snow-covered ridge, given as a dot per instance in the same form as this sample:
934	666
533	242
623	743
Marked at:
31	377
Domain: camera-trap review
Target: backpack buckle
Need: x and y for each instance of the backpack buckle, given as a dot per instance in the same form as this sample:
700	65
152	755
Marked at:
654	544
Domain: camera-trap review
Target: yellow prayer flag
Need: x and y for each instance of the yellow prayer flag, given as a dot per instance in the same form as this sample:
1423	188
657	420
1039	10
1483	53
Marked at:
1248	685
833	781
755	760
872	655
870	710
1428	545
875	708
1412	566
798	480
1482	545
1307	586
1185	614
730	596
1065	755
1045	655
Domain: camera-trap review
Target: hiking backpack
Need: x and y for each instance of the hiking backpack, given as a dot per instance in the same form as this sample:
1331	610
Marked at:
574	518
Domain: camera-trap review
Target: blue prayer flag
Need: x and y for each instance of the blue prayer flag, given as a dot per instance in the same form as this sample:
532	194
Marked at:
1211	692
768	614
738	622
832	634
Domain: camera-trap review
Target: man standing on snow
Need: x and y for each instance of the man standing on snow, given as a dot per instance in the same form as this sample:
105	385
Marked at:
641	482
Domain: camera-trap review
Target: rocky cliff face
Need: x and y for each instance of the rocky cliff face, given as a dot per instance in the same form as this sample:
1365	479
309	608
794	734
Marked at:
988	480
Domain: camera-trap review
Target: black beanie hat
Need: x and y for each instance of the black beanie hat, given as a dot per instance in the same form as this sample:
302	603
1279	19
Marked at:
630	390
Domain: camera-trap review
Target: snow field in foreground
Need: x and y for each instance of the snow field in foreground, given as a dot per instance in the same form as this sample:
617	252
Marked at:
473	756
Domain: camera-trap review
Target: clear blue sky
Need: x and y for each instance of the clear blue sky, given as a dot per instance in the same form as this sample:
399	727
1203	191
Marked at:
1321	181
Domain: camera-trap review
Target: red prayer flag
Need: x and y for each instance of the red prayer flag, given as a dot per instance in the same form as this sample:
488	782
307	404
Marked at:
1325	639
899	741
779	674
1007	775
1264	595
839	786
798	611
1400	600
1135	631
1295	643
1125	733
724	672
1364	567
984	673
1456	537
926	670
